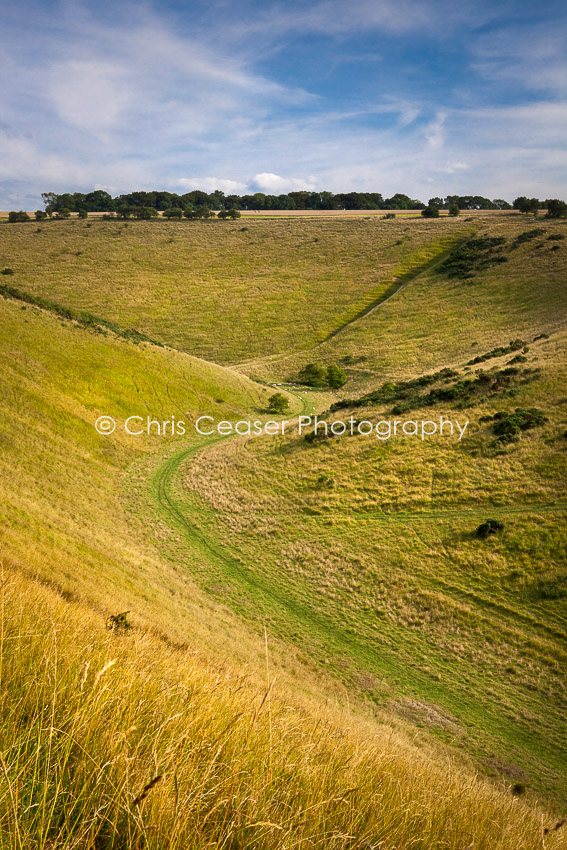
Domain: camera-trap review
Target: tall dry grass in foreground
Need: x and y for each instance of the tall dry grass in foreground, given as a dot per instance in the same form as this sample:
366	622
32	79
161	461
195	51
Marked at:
111	741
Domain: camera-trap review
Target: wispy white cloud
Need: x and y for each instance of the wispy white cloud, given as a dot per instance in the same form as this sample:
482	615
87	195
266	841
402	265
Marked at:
131	97
531	56
434	132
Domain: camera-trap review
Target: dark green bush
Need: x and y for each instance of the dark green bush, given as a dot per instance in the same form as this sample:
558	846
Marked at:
508	426
336	377
118	623
491	526
313	375
20	215
473	255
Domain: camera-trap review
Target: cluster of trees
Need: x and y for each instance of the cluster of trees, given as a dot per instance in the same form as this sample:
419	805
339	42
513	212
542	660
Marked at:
555	208
146	213
101	201
455	203
198	204
469	202
317	375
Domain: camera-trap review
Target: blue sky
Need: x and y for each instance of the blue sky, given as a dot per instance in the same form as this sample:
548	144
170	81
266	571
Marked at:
426	97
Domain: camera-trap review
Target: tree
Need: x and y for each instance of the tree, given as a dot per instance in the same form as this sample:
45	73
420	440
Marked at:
64	212
49	199
173	212
278	403
556	208
527	205
501	204
20	215
124	210
454	210
336	377
430	212
145	213
97	201
232	213
83	214
313	375
199	212
40	215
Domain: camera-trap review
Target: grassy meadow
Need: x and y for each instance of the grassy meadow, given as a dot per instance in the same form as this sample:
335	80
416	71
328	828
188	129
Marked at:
271	286
323	652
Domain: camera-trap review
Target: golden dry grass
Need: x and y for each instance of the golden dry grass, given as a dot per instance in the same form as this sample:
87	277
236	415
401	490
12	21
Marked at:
112	741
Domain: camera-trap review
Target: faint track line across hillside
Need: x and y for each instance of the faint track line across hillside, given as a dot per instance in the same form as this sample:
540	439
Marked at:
395	287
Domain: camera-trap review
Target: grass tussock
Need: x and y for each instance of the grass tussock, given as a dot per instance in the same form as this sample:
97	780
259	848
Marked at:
113	741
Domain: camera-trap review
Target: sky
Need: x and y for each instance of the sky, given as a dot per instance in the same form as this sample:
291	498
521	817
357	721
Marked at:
424	97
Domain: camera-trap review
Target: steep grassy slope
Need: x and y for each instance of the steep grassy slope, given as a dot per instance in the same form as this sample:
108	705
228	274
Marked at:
60	486
224	291
269	295
516	289
89	718
119	741
358	556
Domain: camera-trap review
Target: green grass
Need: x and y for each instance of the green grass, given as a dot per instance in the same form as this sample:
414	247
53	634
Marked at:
213	289
62	507
379	602
437	321
381	578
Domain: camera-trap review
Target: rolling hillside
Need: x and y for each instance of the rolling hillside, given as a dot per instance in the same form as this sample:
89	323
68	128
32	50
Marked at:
418	667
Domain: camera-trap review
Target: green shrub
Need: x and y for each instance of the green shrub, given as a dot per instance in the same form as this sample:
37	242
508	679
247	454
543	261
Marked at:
118	623
231	214
527	236
507	426
278	403
556	208
473	255
144	213
173	212
551	590
430	212
313	375
336	377
491	526
20	215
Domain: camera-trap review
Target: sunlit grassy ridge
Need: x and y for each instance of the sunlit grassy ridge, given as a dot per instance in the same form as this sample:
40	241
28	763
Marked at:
112	741
60	486
227	292
436	321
